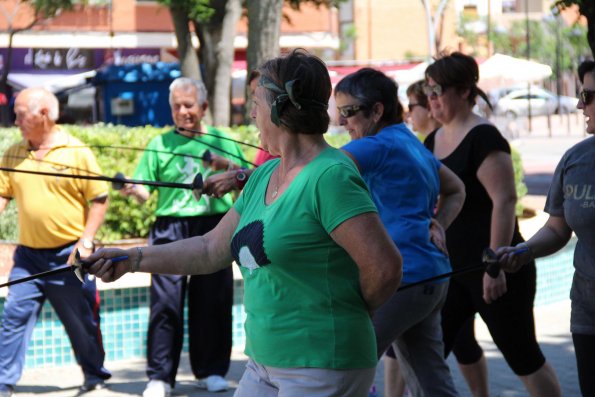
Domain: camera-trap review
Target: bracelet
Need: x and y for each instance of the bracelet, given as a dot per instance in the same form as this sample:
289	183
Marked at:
493	270
139	256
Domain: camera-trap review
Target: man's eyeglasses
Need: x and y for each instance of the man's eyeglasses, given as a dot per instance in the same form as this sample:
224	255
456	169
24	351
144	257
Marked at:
349	110
586	96
434	90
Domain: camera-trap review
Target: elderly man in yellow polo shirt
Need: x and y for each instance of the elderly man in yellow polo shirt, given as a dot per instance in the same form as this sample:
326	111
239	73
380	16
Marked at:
55	215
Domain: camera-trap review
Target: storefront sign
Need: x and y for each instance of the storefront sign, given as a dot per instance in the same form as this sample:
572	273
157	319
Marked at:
75	59
59	58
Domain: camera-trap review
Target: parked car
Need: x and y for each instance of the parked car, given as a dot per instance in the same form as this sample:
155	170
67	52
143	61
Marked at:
543	102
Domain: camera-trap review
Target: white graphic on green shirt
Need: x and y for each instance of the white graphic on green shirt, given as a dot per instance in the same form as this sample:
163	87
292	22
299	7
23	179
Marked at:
187	198
247	259
189	170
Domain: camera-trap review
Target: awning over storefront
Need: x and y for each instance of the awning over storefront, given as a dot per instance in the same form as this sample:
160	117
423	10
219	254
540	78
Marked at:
54	82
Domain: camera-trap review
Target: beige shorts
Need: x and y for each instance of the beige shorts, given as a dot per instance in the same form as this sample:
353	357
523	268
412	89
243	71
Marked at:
262	381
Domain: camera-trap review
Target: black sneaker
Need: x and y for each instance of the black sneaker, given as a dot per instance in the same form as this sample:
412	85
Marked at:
92	385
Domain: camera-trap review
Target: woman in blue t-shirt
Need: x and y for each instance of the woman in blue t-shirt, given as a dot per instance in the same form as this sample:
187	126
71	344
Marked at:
405	181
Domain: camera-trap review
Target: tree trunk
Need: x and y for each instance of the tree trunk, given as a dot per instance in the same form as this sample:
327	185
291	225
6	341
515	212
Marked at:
439	24
225	56
439	32
216	38
209	34
264	24
186	52
430	26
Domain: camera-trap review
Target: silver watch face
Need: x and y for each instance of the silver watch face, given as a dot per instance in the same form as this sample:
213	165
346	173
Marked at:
241	176
87	244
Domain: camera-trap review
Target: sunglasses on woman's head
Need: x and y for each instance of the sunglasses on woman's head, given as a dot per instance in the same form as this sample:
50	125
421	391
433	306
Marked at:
434	90
586	96
349	110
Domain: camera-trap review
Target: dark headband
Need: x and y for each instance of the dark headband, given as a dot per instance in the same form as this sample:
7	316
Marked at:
289	93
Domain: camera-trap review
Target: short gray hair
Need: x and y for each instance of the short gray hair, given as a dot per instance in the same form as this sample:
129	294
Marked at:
185	84
42	98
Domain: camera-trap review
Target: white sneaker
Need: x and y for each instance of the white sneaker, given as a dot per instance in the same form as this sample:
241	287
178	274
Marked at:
213	383
7	391
157	388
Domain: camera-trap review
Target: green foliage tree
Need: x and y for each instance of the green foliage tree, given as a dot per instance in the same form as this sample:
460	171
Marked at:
295	4
214	22
572	42
466	32
264	22
182	12
587	9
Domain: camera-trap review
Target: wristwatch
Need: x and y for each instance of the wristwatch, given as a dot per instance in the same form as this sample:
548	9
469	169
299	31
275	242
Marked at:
87	244
241	178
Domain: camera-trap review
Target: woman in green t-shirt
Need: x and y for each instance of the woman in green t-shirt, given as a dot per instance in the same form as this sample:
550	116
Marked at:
315	257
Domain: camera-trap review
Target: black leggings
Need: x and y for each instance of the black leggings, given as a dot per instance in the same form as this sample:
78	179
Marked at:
584	347
509	320
466	348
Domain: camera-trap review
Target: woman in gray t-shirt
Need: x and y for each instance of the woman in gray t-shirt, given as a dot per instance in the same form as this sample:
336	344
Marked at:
571	205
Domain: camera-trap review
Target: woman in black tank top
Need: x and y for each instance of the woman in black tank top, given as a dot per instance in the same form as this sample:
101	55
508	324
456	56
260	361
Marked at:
476	151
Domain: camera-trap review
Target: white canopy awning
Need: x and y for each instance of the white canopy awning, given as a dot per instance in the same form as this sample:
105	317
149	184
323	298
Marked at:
406	77
503	70
54	82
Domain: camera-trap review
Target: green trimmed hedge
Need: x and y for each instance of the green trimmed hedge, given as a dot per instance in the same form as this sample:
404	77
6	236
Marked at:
126	218
8	219
521	188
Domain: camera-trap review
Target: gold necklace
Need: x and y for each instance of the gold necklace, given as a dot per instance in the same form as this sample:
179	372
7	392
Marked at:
296	163
278	182
276	188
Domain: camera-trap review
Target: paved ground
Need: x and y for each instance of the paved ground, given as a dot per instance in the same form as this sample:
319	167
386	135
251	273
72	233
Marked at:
540	154
129	377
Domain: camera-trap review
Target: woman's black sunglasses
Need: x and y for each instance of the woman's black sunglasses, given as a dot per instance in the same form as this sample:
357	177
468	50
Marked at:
350	110
586	96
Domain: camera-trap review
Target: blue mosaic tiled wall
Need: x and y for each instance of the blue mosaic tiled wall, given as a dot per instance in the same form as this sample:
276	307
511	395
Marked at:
124	323
125	314
554	275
